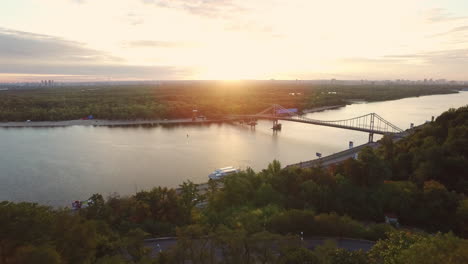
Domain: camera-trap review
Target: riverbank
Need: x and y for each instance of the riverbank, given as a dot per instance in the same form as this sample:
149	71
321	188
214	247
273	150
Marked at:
151	122
110	123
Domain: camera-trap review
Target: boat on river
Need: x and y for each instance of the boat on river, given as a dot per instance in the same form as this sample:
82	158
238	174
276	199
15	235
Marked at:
222	172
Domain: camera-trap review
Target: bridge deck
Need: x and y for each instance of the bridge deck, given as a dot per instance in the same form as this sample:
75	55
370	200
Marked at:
315	122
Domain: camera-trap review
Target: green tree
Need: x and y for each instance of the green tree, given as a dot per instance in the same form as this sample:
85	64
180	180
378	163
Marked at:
343	256
188	199
37	255
298	255
462	217
133	243
441	248
388	251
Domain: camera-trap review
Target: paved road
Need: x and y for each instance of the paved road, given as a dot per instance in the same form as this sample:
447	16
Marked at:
162	244
345	154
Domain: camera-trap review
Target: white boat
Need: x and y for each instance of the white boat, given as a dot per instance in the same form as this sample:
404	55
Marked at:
222	172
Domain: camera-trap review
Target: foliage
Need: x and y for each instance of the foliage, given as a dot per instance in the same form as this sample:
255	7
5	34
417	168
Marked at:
438	151
178	99
404	247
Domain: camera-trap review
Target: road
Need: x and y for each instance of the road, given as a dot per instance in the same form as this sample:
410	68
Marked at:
163	244
346	154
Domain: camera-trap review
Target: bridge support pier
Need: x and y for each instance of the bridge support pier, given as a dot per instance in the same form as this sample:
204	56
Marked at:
276	125
371	137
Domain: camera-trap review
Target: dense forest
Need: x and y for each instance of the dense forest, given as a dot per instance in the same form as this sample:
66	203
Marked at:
256	217
178	99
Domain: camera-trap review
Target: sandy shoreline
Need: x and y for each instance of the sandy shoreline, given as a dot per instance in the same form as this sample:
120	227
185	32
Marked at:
103	122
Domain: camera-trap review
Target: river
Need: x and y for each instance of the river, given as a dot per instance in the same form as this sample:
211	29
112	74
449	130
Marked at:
55	166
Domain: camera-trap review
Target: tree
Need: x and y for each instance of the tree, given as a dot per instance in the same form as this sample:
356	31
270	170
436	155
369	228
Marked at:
388	251
263	246
439	206
298	255
266	194
315	196
238	190
44	254
374	170
188	198
232	245
76	239
343	256
440	248
134	246
31	223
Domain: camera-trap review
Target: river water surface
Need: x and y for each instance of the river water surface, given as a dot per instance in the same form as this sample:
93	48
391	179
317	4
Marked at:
58	165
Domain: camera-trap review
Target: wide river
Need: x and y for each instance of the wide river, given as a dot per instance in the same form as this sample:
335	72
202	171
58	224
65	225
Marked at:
55	166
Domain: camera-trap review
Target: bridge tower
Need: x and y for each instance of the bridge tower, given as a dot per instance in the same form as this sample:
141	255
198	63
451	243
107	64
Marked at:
276	124
371	134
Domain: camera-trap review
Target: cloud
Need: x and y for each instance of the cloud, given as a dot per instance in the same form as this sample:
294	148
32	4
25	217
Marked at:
442	15
459	29
29	53
436	57
116	71
456	31
208	8
19	46
135	19
154	44
434	64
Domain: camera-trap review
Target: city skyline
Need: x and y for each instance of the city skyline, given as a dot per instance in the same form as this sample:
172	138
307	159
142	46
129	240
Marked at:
84	40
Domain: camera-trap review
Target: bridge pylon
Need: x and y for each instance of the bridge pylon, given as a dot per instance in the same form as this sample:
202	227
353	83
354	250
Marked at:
276	124
371	134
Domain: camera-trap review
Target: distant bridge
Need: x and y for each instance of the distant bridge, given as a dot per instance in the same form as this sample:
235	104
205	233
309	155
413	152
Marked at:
371	123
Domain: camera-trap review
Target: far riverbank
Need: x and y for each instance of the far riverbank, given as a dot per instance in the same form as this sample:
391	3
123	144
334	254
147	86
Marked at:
151	122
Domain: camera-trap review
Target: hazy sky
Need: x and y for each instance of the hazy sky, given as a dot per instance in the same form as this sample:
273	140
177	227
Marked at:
233	39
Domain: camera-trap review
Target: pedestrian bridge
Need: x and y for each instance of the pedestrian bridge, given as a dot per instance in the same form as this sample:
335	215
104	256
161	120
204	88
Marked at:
371	123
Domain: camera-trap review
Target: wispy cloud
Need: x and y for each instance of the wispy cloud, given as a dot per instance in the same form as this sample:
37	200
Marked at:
207	8
29	53
454	31
434	64
155	44
25	46
435	57
442	15
116	71
135	19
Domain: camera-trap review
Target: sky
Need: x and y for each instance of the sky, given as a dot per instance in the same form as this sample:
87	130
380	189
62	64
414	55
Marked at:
87	40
